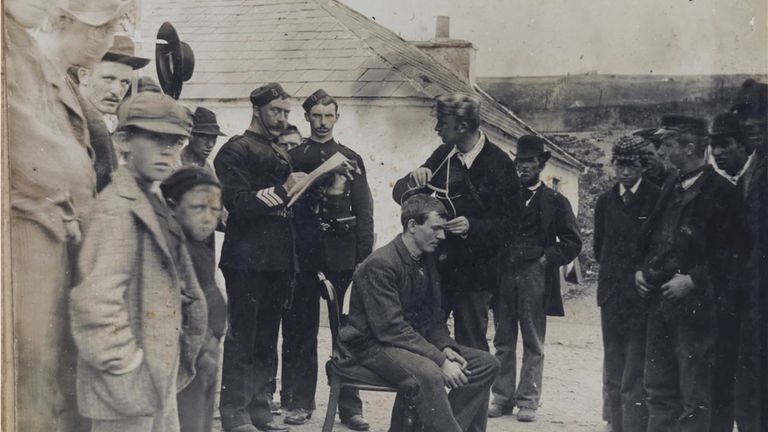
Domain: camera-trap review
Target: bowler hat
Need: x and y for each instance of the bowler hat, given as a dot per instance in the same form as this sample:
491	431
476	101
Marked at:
314	99
682	123
726	124
267	93
123	51
205	122
155	112
531	146
184	179
175	60
95	13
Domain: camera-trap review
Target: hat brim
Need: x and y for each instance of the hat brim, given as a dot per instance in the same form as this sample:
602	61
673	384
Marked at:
208	132
134	62
544	155
158	127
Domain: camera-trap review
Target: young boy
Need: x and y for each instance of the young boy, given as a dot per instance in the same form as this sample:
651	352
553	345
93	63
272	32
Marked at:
194	196
619	214
138	316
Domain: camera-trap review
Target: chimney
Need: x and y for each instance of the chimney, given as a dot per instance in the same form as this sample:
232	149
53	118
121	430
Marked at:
458	55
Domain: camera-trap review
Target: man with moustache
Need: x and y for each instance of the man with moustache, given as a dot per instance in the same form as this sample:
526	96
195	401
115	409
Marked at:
529	287
693	247
102	87
335	234
477	182
204	133
257	258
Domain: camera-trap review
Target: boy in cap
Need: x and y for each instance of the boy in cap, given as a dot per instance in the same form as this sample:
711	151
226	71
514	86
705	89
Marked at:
193	195
477	181
205	130
656	170
529	283
619	214
138	316
692	246
335	234
741	164
257	258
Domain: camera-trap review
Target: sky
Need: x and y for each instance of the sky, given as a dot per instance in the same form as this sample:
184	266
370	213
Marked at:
555	37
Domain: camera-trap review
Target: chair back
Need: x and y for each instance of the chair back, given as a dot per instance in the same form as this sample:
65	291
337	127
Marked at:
334	313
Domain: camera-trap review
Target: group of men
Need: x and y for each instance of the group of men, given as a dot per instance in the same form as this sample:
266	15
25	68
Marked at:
679	284
118	317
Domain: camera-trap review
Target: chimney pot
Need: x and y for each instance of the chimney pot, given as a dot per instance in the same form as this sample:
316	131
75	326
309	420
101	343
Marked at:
443	27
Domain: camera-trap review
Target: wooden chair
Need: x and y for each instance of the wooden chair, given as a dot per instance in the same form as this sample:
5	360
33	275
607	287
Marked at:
342	372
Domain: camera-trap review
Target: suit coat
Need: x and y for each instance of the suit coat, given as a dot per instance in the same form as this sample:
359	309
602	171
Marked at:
133	302
465	263
617	228
562	244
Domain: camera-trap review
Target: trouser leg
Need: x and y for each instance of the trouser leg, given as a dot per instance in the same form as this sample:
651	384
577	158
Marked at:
695	339
421	377
724	373
350	403
750	369
470	317
533	325
300	327
633	407
196	401
661	379
470	402
505	339
613	362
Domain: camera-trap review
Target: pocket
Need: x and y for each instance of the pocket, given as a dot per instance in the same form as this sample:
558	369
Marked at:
132	394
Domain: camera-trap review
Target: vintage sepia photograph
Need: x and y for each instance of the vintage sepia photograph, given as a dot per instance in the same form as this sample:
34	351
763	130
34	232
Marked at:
385	216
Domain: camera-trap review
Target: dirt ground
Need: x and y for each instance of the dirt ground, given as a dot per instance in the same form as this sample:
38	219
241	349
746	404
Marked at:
572	389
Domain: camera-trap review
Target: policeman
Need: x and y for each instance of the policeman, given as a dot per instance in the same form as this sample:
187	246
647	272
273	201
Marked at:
257	258
335	233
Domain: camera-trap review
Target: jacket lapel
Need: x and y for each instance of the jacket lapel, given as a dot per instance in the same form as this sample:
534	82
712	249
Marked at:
547	206
141	208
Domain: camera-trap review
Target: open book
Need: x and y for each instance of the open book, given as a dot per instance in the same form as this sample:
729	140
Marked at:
329	165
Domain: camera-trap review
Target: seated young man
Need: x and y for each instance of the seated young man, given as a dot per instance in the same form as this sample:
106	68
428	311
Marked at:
395	328
138	316
193	195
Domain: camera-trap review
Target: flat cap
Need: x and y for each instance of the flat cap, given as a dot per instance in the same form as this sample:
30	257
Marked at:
314	99
155	112
682	123
460	104
629	147
726	124
95	13
186	178
267	93
751	99
648	134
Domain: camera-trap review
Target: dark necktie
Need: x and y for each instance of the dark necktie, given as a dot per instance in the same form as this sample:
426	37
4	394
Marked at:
527	194
627	197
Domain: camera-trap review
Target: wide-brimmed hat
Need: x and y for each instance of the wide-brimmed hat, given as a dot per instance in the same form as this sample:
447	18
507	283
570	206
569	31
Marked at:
205	122
123	51
532	146
95	13
175	60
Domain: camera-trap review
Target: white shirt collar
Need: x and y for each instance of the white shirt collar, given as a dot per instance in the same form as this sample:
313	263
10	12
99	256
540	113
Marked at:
110	120
634	188
535	187
690	181
469	157
735	178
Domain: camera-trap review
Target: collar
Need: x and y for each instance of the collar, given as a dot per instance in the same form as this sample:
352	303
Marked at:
735	178
110	120
687	180
535	187
469	157
633	189
258	135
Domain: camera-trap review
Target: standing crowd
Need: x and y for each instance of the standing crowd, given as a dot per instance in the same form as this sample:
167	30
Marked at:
119	322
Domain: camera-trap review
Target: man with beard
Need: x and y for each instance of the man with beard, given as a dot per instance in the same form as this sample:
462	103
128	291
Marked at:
203	139
529	287
102	87
257	258
477	182
693	245
335	233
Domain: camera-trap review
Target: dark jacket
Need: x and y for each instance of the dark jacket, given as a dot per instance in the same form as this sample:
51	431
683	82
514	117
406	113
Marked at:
617	230
465	263
562	243
342	245
382	300
258	235
712	239
104	154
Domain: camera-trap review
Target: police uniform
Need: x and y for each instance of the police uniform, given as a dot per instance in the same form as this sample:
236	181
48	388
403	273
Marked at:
257	260
334	233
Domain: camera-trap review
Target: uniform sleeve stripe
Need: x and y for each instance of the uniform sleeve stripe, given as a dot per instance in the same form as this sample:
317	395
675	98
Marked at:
269	197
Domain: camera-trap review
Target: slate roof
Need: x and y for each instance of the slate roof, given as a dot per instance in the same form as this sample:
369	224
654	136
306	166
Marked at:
307	44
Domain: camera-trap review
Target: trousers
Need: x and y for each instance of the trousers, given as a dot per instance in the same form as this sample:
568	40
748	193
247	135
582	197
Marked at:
197	401
461	410
724	372
520	304
470	317
301	321
255	304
